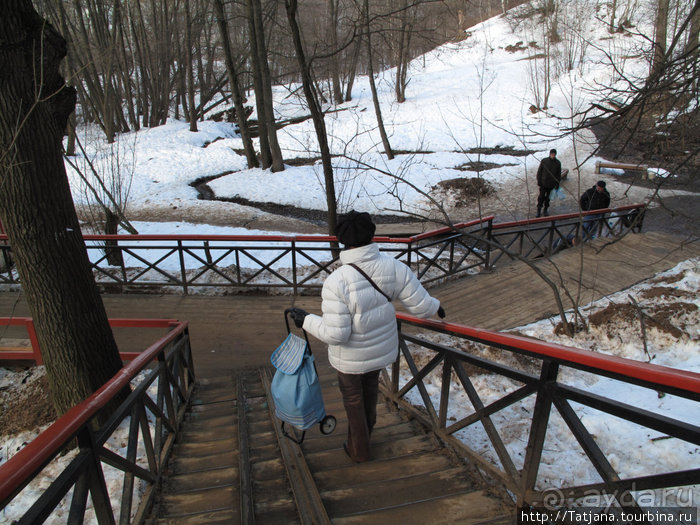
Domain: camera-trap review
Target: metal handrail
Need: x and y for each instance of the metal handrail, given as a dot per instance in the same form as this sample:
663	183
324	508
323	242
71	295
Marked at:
550	390
175	374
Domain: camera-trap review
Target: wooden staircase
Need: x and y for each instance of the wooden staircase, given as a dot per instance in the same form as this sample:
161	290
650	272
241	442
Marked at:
233	465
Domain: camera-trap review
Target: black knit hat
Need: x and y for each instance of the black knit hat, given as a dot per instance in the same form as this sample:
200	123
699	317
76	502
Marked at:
355	229
552	151
600	183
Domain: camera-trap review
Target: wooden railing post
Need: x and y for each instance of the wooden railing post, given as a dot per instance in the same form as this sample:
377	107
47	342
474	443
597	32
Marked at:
294	268
98	487
36	349
183	272
538	429
489	241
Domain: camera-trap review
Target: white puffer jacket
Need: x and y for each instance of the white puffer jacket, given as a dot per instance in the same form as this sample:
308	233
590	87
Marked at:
358	323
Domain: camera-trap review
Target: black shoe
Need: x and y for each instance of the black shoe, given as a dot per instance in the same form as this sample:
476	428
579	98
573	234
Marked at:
539	213
546	213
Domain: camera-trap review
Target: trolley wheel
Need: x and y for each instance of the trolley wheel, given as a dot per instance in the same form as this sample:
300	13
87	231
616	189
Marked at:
328	425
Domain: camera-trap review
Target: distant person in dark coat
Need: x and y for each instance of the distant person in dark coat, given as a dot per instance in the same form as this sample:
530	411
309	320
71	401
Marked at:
548	179
595	198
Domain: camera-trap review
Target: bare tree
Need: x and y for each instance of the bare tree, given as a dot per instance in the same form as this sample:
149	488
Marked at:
660	32
235	86
37	212
372	84
189	72
270	149
316	114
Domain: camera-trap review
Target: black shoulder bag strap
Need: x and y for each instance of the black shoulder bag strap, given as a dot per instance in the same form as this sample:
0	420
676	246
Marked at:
374	285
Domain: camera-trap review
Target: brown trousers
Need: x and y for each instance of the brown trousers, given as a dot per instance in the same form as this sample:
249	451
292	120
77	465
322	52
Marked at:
359	393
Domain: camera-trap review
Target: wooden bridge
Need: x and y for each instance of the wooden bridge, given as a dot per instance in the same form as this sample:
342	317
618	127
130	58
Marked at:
231	464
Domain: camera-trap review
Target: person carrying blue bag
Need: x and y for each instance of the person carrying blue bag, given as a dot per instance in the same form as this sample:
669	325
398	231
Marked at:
358	322
548	179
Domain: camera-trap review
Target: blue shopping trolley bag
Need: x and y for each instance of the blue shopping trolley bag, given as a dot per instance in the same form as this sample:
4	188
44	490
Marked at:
296	390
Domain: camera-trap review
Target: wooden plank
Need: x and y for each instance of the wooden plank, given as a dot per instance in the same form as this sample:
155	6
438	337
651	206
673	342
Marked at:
402	488
334	458
377	471
309	504
200	501
218	517
466	509
218	477
183	464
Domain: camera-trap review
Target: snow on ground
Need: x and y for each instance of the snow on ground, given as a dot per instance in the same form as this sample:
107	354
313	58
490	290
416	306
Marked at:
475	93
117	443
463	95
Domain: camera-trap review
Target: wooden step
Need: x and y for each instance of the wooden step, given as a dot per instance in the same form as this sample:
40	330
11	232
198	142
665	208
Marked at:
378	471
194	449
402	489
470	508
211	478
216	517
334	458
232	465
179	465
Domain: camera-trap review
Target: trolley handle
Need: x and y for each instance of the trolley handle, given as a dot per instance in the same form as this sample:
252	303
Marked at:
286	322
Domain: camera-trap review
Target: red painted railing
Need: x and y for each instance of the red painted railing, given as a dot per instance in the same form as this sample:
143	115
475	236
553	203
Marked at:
143	263
566	216
531	398
174	375
604	364
33	352
297	262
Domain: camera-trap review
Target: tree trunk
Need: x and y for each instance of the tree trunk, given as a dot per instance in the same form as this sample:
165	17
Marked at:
691	46
403	53
613	8
316	116
660	32
335	66
373	86
37	211
277	162
235	87
353	66
192	113
112	251
265	154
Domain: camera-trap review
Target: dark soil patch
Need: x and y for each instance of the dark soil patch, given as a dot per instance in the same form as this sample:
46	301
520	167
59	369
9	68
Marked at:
664	318
480	166
664	291
499	150
26	406
407	152
465	190
514	48
302	161
319	217
669	279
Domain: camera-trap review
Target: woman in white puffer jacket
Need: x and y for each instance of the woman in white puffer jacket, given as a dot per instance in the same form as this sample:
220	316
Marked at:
359	322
